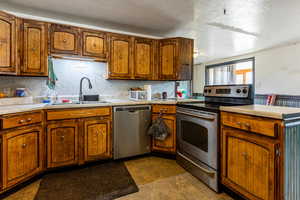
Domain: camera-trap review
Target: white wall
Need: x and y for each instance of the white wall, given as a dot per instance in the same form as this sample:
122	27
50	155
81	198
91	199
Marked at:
277	70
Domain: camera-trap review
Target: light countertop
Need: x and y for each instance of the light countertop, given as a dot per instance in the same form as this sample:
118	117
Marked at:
9	109
275	112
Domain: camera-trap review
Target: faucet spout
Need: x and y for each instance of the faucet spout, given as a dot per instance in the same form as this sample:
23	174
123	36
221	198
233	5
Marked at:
80	88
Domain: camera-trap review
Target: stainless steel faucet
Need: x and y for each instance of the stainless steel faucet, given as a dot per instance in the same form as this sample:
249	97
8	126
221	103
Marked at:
80	89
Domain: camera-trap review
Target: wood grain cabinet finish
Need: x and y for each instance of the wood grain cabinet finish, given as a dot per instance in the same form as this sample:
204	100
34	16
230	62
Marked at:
169	144
64	40
62	143
22	154
249	164
120	63
8	42
144	58
98	138
94	44
35	45
17	120
176	59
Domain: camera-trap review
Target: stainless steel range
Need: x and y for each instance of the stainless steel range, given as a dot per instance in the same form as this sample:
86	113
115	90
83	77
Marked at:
198	130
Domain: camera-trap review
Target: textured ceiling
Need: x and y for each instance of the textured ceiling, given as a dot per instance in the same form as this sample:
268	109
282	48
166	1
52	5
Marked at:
247	25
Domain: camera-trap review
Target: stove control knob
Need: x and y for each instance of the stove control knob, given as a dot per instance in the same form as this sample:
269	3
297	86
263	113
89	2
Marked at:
245	91
238	91
209	91
205	91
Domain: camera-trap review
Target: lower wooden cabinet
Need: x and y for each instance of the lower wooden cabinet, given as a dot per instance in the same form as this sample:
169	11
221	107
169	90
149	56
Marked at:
249	164
169	144
22	154
62	143
98	138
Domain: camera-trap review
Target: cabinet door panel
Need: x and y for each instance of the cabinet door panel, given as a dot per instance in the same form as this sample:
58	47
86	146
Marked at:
168	145
35	49
64	40
120	58
97	139
248	164
168	60
7	44
143	58
94	44
22	154
62	143
186	59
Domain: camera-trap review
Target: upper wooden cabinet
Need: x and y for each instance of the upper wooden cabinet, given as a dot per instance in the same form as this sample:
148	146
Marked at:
22	154
144	58
64	40
35	51
175	59
94	44
120	57
8	44
62	143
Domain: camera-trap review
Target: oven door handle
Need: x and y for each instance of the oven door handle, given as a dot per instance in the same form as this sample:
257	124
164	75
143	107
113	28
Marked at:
203	116
209	172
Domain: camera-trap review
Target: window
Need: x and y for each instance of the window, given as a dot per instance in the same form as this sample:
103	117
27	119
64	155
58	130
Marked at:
234	72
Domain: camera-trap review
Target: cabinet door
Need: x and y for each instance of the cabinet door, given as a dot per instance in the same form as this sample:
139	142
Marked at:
120	57
64	40
167	59
94	44
143	58
185	59
248	164
62	141
34	48
8	47
97	139
22	154
169	144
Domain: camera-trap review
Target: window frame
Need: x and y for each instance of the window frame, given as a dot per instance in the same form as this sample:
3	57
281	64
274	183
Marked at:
207	67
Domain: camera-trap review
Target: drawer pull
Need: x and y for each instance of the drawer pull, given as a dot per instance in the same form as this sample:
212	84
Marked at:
22	121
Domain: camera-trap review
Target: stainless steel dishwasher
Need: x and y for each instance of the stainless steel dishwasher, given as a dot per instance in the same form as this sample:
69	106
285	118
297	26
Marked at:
130	131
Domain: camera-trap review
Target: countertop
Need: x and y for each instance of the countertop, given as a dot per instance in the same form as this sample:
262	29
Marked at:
275	112
113	102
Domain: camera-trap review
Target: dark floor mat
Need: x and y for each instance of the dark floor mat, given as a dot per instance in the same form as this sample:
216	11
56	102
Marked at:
99	182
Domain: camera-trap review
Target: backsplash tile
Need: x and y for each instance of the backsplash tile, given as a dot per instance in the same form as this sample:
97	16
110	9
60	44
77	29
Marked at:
69	73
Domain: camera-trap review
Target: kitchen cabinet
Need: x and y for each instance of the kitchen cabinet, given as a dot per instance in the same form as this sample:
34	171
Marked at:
94	44
64	40
175	59
168	114
144	58
250	158
22	154
120	57
98	139
34	48
8	44
62	143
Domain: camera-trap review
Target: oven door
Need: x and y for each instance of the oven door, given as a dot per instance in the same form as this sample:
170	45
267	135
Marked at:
197	134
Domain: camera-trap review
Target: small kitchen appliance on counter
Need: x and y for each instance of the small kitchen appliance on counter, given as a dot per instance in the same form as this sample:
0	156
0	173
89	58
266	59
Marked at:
198	130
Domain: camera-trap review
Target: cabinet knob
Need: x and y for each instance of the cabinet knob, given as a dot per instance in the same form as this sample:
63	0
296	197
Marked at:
245	155
247	125
29	119
62	137
21	121
33	49
24	145
64	40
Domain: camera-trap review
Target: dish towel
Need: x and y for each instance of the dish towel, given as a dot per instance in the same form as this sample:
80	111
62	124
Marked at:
159	130
52	78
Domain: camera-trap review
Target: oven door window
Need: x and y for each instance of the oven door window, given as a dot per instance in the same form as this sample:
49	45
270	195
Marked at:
194	134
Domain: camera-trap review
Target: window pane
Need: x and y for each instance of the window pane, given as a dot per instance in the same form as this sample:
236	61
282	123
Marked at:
235	73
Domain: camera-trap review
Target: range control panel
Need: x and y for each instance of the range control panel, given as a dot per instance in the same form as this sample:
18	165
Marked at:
238	91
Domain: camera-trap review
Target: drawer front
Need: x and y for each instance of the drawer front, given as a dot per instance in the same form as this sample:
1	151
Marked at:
78	113
169	109
21	120
264	126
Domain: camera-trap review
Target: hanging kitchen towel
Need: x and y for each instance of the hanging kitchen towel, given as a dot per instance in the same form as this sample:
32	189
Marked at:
159	130
52	78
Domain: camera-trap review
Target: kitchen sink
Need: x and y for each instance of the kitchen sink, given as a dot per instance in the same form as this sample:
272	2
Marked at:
82	102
